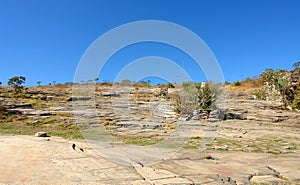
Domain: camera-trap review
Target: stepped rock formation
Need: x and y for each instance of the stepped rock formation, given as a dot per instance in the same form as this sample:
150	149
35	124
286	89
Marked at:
254	142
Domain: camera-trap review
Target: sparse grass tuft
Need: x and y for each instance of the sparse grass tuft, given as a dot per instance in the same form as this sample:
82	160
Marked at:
139	140
193	143
259	145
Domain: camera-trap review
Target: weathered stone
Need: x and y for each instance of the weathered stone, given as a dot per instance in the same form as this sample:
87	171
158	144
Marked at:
200	114
14	111
238	151
235	115
186	117
268	179
21	105
110	94
217	114
36	92
79	98
41	134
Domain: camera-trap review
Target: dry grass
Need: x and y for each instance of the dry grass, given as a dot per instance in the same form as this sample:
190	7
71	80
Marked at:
246	86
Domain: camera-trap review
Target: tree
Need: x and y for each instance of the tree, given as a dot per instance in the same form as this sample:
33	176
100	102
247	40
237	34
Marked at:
68	83
17	83
39	83
296	65
96	79
267	75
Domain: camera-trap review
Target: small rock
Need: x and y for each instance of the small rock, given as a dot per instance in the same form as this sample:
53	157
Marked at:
41	134
209	157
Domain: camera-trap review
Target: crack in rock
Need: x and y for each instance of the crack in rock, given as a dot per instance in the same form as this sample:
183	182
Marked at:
142	177
276	173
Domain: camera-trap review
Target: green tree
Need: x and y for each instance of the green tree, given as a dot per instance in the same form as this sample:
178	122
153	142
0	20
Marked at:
267	75
39	83
17	83
296	65
236	83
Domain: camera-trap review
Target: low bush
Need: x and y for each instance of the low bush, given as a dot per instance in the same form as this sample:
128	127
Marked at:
196	96
236	83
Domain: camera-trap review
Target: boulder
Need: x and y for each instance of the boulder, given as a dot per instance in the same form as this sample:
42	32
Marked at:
217	114
240	115
200	114
41	134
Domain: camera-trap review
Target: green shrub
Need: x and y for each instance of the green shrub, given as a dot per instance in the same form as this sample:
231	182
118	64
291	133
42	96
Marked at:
296	101
196	96
282	84
206	95
260	94
236	83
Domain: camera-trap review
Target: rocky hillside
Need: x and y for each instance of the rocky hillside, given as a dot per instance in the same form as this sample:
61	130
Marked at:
244	141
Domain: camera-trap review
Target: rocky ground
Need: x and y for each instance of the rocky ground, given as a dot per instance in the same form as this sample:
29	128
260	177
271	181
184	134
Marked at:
246	141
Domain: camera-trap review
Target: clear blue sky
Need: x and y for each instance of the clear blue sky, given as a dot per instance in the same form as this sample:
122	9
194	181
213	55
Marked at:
44	40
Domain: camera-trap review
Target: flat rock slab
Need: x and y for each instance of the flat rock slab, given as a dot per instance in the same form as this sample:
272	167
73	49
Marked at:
34	160
269	179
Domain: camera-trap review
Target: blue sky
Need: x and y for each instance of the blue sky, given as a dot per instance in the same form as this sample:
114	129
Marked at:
45	40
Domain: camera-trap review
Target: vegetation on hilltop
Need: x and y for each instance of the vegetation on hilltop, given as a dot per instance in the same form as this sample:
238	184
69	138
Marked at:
275	85
17	83
281	85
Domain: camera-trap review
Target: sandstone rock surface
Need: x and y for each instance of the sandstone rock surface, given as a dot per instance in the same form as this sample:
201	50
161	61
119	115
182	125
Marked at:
249	141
